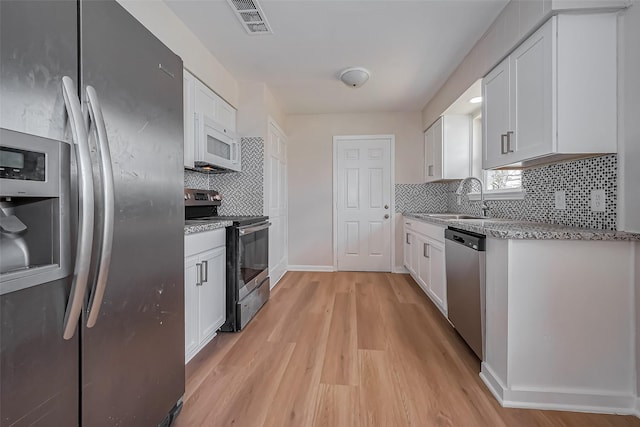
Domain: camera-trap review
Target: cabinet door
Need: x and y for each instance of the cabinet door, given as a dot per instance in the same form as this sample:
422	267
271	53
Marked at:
226	115
437	275
495	116
437	149
531	68
211	301
423	264
429	163
191	278
205	101
408	238
188	88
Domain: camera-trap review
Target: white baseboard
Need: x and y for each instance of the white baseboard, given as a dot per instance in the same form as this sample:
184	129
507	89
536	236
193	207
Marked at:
492	382
578	401
400	269
318	268
637	412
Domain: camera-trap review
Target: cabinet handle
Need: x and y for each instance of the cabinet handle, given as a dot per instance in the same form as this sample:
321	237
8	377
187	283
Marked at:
407	239
503	140
199	281
430	169
205	268
425	250
509	150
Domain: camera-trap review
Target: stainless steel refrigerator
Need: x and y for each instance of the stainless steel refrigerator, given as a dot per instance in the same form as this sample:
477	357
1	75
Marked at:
98	339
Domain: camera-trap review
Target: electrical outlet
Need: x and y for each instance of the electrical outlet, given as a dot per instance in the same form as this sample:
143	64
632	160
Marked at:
598	201
561	200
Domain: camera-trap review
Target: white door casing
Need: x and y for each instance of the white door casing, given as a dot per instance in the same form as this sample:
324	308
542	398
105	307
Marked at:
363	202
276	200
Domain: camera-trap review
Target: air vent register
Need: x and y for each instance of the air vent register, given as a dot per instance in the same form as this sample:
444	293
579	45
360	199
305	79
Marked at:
251	16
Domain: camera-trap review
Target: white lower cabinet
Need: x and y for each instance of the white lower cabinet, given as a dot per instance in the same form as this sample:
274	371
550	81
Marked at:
425	259
205	288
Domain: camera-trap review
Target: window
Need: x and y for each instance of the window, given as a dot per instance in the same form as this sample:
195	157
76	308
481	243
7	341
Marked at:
498	183
502	179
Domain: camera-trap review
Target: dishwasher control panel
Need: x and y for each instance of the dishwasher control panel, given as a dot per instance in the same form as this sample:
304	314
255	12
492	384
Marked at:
469	239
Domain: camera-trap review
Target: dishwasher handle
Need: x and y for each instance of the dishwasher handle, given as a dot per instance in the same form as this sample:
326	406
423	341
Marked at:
474	241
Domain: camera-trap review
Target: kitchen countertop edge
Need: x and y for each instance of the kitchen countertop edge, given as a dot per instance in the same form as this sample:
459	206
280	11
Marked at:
527	230
199	228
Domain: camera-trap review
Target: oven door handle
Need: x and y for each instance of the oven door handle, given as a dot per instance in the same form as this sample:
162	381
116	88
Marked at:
248	229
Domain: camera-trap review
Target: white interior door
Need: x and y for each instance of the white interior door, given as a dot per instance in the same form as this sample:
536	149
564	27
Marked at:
363	203
276	201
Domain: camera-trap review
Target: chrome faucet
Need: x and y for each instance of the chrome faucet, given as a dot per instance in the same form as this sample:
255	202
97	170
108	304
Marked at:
483	206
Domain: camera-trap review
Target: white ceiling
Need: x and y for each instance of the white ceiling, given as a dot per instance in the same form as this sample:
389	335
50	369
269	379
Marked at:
410	47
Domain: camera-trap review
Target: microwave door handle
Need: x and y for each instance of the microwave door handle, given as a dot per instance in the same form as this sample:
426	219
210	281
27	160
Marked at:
85	218
106	169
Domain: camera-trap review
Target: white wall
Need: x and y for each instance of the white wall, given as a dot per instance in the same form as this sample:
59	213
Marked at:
310	166
166	26
256	104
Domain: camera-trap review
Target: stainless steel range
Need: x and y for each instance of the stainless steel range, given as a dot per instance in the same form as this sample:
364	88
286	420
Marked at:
248	286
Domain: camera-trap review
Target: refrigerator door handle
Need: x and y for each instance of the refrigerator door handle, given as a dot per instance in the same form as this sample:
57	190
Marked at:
106	170
85	217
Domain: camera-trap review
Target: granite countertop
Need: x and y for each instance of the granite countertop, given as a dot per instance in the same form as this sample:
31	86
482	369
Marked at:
206	226
516	229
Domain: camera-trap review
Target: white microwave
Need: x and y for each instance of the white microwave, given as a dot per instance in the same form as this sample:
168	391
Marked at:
217	148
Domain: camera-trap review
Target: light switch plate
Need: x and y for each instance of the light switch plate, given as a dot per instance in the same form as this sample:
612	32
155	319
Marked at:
598	201
561	200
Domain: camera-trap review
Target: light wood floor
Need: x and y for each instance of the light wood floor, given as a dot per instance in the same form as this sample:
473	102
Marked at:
350	349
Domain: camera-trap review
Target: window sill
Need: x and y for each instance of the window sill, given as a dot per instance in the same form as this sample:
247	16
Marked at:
506	194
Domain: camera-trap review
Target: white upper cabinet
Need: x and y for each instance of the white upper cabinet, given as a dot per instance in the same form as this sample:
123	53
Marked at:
226	115
200	101
447	148
554	97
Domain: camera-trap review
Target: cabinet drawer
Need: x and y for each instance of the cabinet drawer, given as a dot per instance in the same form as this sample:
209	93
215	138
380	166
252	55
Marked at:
200	242
434	232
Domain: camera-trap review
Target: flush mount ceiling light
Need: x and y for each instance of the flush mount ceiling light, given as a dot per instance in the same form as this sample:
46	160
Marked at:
355	76
476	100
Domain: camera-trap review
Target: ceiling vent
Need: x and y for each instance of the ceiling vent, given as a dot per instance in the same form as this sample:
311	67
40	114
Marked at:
251	16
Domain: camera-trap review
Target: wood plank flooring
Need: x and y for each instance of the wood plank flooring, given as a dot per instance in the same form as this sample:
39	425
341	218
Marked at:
350	349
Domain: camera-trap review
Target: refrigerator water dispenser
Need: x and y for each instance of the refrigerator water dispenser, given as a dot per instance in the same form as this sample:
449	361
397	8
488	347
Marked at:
34	210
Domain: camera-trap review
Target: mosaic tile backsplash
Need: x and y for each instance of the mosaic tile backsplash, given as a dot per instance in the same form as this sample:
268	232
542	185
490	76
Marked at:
197	180
242	192
576	178
421	197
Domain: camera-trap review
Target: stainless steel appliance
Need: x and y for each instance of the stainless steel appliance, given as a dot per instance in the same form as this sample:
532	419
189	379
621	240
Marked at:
92	327
465	264
248	285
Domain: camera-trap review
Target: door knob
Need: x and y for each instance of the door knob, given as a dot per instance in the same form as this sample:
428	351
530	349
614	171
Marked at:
386	206
386	216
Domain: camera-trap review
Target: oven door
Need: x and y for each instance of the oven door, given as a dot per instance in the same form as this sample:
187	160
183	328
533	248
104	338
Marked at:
217	145
253	257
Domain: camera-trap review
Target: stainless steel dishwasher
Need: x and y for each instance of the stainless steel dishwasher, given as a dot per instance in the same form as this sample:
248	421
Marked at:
465	260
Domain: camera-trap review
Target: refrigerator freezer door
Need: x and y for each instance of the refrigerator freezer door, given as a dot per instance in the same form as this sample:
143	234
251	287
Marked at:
133	357
38	46
38	368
